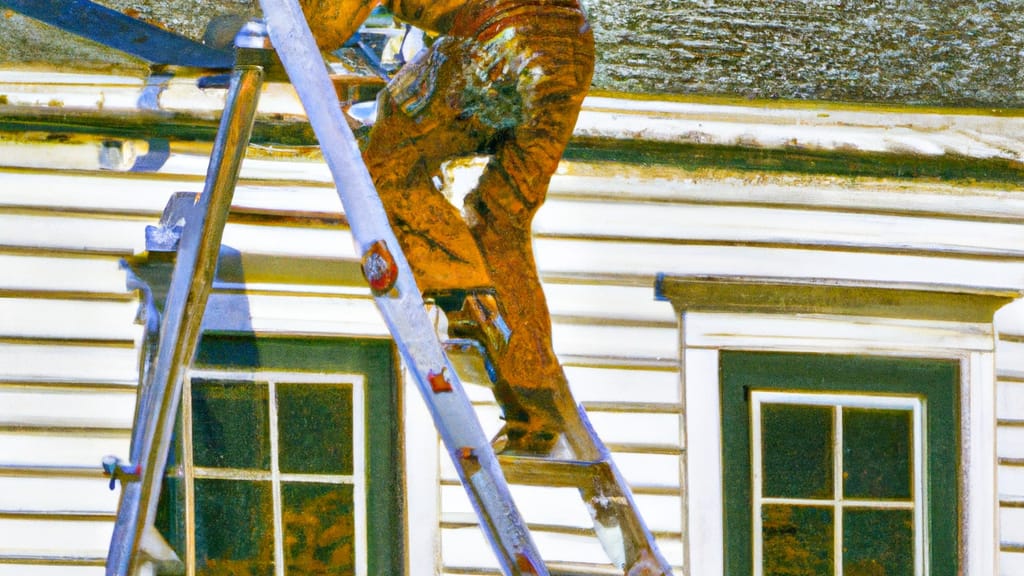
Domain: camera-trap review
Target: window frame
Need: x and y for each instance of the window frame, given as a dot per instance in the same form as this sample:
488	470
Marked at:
324	358
786	314
850	381
839	502
270	379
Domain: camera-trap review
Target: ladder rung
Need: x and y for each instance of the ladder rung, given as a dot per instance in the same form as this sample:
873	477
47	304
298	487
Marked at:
539	471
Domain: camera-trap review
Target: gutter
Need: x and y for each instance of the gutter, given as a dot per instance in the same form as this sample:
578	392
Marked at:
966	143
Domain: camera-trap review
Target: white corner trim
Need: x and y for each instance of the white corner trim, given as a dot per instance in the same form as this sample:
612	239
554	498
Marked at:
704	335
979	499
704	544
422	488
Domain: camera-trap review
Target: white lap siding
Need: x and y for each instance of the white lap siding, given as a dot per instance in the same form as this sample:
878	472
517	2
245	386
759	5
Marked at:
1010	438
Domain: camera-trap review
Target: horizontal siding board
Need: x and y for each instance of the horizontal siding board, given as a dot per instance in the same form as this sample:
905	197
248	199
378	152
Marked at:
649	471
577	258
67	363
307	314
53	495
1010	358
617	429
1011	527
76	234
57	538
1010	318
61	273
633	304
467	547
108	235
644	472
256	169
80	449
593	384
297	242
1011	481
1010	400
639	428
68	319
106	193
609	341
51	406
294	191
44	570
737	224
672	550
1011	563
133	195
664	184
72	152
661	513
548	506
1010	442
731	133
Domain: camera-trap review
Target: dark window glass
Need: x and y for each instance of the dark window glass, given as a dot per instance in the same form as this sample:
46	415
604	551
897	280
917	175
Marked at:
877	454
315	428
319	528
797	451
234	528
878	542
798	540
230	425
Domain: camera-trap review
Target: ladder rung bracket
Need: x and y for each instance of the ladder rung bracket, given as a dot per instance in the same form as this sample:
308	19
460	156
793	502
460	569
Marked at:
537	471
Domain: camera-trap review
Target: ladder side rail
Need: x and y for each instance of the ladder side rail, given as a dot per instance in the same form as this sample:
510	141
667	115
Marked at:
149	316
190	287
400	301
621	530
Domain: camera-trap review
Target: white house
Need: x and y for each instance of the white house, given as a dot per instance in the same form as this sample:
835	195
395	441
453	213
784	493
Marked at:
797	327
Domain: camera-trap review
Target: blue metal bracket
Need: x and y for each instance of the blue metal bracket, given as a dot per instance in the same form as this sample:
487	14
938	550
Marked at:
122	32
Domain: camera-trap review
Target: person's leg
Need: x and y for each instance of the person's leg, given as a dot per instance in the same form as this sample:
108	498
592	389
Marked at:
401	159
501	209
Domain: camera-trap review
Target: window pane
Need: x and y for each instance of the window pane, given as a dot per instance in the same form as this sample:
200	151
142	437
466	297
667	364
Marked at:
798	540
315	424
319	528
877	453
797	451
234	527
878	542
230	425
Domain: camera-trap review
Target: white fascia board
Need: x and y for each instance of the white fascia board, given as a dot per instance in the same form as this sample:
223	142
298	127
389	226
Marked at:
805	127
801	127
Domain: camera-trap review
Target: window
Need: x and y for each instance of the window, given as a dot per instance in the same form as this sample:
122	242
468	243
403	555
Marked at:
839	465
279	443
837	484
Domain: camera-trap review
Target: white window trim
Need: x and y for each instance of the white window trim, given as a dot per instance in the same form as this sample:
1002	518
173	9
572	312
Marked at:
705	334
270	379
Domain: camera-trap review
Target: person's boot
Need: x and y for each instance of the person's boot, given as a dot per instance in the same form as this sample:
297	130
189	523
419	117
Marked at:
531	417
475	314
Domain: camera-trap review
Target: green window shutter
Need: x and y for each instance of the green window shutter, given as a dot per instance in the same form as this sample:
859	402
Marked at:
936	382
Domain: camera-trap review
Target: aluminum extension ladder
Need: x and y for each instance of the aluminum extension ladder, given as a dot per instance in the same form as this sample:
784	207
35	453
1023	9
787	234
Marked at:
193	227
